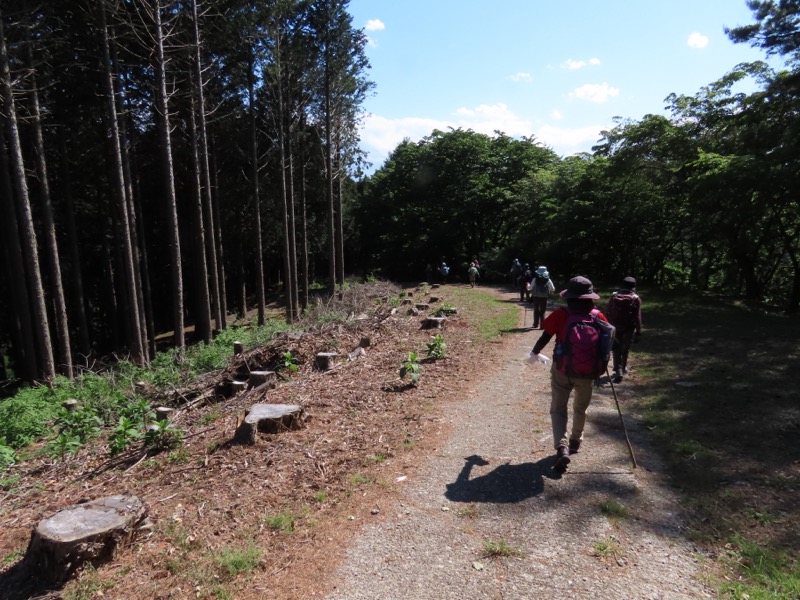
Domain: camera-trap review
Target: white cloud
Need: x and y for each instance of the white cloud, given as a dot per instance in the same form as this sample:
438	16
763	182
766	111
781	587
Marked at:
595	92
697	40
488	118
567	141
573	65
523	77
375	25
556	115
382	135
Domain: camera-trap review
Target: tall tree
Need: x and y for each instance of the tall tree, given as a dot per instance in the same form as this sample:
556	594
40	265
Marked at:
41	325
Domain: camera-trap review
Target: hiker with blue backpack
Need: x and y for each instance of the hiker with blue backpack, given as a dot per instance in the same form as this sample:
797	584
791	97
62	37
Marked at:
583	347
541	288
624	311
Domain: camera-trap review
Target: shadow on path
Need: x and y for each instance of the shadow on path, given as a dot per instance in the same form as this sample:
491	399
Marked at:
506	483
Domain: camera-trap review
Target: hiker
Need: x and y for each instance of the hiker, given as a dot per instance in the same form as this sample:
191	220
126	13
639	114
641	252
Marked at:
428	273
516	271
581	354
624	312
444	271
524	283
541	287
473	273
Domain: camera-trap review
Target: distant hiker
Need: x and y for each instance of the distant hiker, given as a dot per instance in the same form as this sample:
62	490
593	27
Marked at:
583	343
444	271
624	312
524	283
428	273
473	273
541	288
516	271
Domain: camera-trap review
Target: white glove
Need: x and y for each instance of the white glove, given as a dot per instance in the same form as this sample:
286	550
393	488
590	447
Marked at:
537	358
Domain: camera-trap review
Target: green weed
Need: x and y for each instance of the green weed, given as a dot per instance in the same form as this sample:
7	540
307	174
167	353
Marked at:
437	348
613	508
500	548
411	367
282	521
232	561
767	574
359	479
607	547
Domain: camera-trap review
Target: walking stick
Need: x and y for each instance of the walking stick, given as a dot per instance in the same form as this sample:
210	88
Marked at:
616	401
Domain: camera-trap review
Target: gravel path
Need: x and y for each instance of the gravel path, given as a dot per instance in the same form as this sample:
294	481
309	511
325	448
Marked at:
491	480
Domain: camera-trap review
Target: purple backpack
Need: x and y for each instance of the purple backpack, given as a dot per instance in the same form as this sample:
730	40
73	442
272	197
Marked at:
585	347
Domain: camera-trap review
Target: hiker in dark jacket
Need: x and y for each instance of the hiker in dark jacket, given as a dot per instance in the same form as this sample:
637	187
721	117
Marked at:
624	312
525	283
580	297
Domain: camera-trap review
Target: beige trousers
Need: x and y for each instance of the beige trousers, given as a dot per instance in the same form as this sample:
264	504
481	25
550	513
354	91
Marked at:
561	386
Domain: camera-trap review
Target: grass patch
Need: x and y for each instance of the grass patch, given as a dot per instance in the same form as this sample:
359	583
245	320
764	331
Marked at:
613	508
232	561
469	512
358	479
500	548
719	397
282	521
607	548
491	316
767	574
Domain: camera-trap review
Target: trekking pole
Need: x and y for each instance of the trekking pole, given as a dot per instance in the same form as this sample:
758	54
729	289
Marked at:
624	429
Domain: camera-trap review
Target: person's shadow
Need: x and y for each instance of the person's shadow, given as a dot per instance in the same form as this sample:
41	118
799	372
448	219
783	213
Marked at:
506	483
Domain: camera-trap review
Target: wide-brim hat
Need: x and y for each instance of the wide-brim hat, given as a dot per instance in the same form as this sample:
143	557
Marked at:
630	282
579	288
542	270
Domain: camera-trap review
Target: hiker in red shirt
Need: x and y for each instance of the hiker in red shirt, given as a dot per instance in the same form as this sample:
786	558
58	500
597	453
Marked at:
581	355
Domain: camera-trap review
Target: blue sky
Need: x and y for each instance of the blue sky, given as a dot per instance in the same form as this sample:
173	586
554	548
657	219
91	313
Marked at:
557	70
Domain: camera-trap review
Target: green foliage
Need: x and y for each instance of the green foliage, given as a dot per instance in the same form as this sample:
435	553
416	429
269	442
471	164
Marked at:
411	367
162	437
437	348
287	362
126	431
613	508
27	416
7	455
445	310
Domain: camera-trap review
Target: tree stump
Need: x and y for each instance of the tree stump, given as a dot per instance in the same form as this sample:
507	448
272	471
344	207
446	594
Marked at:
257	378
433	322
268	418
238	348
163	413
413	312
435	286
70	404
433	299
324	360
365	342
422	306
82	533
238	386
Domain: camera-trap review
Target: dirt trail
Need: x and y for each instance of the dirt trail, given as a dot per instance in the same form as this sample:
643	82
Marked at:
491	480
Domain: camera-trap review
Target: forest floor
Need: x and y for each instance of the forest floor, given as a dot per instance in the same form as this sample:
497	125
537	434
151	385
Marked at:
440	490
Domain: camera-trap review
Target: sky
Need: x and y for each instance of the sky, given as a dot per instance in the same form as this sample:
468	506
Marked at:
560	71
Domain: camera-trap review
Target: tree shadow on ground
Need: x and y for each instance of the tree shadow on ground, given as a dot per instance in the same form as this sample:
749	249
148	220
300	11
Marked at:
505	484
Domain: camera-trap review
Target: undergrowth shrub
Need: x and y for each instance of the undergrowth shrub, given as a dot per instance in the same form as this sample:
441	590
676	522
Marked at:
27	416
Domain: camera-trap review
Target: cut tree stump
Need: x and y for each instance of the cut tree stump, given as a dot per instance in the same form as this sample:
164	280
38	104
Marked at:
433	322
163	413
238	348
325	360
71	404
238	386
422	306
268	418
82	533
433	299
257	378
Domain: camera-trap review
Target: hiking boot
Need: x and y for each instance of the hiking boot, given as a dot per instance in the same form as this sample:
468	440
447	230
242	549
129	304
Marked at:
574	446
617	377
562	458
